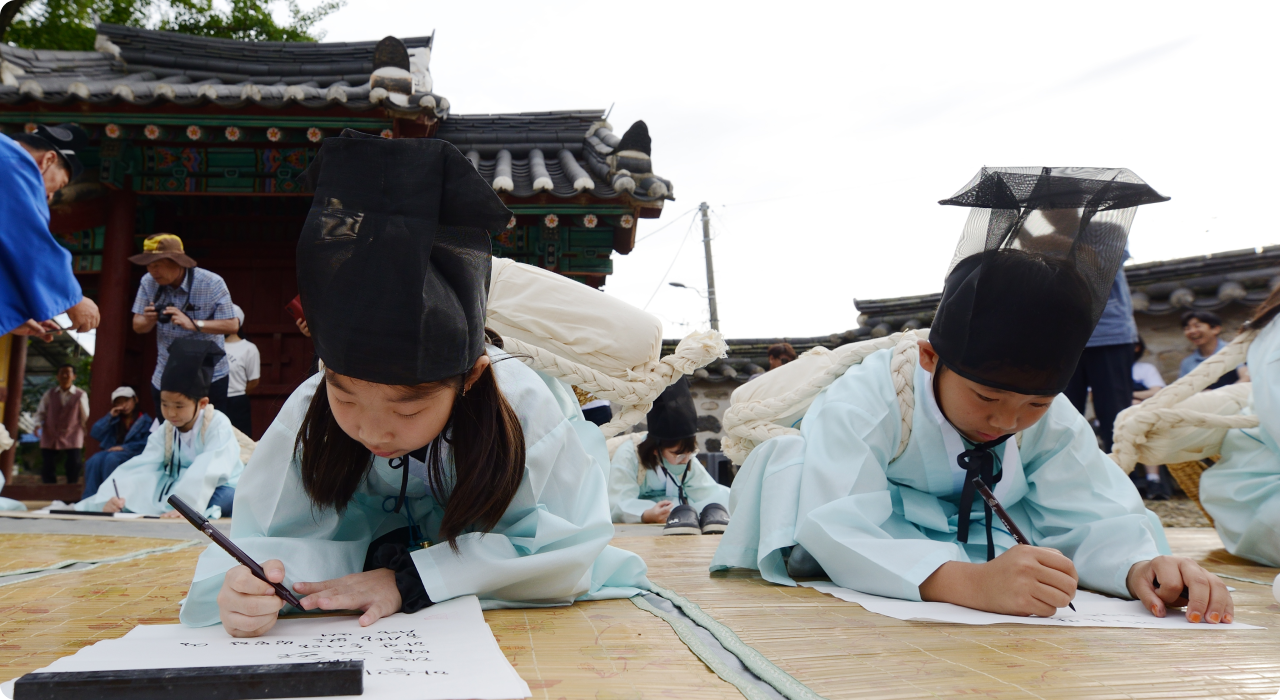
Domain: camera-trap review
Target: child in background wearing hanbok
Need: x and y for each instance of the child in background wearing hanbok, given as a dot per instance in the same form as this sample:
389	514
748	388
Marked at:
1012	323
193	454
1242	491
421	463
660	481
121	434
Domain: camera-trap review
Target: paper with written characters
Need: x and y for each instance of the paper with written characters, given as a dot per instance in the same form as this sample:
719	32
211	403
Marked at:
1092	610
441	653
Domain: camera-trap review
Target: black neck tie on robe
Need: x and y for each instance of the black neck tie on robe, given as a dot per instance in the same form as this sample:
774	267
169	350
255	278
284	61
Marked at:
978	462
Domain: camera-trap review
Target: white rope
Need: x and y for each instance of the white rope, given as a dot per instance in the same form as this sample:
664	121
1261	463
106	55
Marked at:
636	394
1137	425
750	423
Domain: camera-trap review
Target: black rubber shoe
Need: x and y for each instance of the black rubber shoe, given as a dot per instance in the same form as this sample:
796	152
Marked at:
683	520
714	519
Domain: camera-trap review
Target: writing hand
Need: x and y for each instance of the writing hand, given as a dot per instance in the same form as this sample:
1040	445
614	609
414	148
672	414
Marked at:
374	592
247	605
115	505
1023	581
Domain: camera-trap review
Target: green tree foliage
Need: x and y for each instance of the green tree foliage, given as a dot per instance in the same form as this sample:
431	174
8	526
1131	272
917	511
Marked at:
69	24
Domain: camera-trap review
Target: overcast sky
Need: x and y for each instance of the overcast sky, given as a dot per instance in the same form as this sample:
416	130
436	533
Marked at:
823	134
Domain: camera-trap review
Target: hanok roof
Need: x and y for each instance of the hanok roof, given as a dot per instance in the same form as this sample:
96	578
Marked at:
144	67
561	153
1203	282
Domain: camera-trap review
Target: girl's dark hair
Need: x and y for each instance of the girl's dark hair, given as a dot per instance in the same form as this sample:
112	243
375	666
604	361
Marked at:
488	455
1139	349
1267	310
650	449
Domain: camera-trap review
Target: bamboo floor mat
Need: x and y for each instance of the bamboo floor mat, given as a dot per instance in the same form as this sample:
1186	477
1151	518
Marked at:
840	650
24	552
606	650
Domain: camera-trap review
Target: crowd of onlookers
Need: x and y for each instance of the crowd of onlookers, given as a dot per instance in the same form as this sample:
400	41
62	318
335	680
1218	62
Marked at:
176	299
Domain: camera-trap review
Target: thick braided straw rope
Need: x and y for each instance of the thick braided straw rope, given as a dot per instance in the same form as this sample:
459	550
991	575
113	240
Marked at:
637	392
1159	415
752	422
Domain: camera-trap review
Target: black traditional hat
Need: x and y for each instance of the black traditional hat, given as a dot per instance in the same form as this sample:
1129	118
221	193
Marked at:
1032	272
394	258
189	370
65	140
673	416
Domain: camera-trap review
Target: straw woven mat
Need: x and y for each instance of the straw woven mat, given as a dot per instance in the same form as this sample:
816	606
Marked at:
607	649
23	552
840	650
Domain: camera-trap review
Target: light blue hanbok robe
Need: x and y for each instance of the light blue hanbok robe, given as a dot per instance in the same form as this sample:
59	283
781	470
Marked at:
549	548
9	503
145	483
832	500
629	498
1242	491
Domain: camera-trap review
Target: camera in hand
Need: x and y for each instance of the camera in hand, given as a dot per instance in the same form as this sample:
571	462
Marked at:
161	316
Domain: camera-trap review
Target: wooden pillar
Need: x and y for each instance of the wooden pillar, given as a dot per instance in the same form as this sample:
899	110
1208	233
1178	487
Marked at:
115	301
13	401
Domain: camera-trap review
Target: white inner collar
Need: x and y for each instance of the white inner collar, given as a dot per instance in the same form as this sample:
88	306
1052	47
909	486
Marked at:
954	444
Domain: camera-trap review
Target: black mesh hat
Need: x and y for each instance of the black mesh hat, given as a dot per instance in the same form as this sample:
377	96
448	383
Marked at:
1032	272
673	416
189	370
394	258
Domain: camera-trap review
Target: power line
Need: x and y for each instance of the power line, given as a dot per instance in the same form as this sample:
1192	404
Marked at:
673	263
651	233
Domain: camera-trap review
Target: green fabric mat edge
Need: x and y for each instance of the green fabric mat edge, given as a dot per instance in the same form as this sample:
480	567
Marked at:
702	651
783	682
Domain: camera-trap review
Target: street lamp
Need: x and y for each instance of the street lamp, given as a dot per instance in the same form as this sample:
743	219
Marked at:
695	290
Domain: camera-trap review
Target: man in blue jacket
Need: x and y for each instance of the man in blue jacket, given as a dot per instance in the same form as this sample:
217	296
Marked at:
36	280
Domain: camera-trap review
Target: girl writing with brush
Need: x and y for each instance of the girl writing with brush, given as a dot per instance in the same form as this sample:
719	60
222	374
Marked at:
420	464
881	510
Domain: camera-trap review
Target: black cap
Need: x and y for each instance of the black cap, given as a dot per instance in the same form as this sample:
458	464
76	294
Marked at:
394	258
1033	271
65	140
673	416
189	370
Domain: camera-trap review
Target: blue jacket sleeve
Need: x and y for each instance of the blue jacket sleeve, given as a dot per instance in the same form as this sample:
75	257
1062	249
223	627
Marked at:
36	281
104	431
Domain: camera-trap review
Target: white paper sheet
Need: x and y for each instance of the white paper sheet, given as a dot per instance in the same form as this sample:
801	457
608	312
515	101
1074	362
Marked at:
1092	610
444	652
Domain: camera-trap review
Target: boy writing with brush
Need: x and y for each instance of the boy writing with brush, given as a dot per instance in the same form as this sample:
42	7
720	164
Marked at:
893	514
193	454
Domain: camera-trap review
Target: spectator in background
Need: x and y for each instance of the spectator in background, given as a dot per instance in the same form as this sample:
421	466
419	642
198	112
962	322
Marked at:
1202	328
180	300
780	354
36	280
1146	382
121	434
1105	368
60	422
244	371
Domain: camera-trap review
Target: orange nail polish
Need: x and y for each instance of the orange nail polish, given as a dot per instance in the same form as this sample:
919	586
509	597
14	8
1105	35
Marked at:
1193	617
1214	617
1155	610
1227	619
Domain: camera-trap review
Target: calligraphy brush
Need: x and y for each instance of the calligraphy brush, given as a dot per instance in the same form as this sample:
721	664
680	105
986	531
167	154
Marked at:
1009	525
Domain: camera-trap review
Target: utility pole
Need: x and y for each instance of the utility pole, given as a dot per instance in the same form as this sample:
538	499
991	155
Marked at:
711	273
